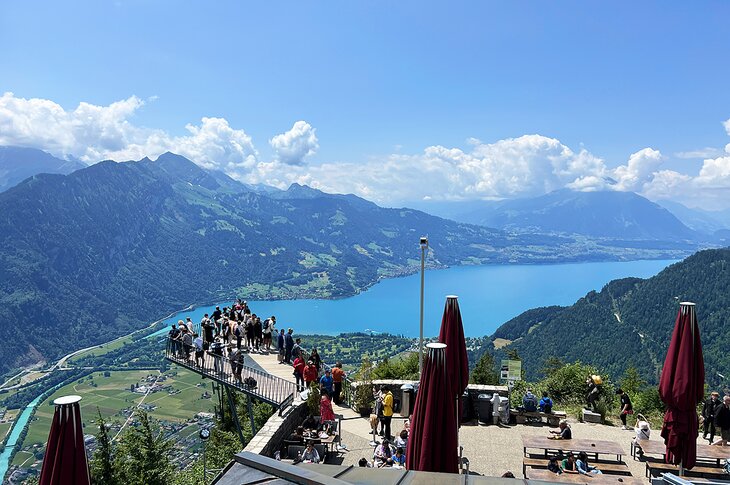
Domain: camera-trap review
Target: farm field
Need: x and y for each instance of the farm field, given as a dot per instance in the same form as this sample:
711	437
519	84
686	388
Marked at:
112	395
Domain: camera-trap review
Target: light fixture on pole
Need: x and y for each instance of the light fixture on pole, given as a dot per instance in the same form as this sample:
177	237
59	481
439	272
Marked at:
424	247
204	435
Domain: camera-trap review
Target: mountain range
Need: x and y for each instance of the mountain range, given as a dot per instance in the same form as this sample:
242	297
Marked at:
102	251
604	214
19	163
630	321
110	247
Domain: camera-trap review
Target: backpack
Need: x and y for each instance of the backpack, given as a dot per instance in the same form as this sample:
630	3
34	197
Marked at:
548	406
266	324
237	331
250	382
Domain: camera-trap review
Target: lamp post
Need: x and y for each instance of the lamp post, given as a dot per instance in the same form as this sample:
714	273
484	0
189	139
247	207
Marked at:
204	435
424	247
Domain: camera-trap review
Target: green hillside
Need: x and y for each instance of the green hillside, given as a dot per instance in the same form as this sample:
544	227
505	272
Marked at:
630	321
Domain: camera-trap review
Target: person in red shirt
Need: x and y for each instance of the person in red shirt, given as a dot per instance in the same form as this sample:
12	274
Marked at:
310	374
325	408
338	375
299	372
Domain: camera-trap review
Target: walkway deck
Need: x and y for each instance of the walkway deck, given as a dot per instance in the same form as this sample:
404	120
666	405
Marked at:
270	364
268	387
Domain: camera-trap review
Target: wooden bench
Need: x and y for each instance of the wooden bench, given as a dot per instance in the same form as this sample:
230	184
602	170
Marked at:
609	467
655	467
553	418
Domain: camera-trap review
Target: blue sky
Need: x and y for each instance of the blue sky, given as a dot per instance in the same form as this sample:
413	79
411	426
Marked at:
386	80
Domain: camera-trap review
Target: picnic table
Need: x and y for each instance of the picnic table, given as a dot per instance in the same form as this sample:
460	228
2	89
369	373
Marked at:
591	447
706	452
548	476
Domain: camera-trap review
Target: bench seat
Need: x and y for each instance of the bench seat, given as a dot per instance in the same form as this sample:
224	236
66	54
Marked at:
553	418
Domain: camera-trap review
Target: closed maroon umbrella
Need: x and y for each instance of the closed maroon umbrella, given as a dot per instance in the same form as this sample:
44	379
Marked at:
65	458
681	387
457	360
432	442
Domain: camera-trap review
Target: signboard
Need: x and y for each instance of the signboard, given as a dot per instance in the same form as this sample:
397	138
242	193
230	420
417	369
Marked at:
511	370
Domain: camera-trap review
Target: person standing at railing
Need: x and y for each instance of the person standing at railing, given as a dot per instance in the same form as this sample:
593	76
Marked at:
207	328
189	324
281	347
250	332
299	373
288	345
237	358
174	342
269	330
216	350
338	375
187	340
199	352
257	333
238	332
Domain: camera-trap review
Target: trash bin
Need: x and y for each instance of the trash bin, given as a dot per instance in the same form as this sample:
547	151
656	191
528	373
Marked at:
485	408
407	400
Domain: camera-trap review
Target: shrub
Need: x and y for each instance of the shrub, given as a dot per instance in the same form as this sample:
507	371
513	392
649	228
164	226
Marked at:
313	399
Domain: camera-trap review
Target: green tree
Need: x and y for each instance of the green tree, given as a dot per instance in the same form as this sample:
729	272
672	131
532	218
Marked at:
102	463
484	371
143	456
404	367
551	365
631	381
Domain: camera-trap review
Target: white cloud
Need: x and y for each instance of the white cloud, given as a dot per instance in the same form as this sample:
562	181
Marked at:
707	152
93	133
528	165
293	146
639	170
524	166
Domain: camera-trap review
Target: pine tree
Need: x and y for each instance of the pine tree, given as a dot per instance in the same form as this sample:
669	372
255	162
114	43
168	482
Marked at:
102	465
143	457
631	381
484	371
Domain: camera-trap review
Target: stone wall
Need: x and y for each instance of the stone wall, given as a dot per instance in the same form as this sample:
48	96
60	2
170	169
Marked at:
278	428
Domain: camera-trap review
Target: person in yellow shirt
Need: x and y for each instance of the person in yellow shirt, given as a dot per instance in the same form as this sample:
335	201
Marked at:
387	412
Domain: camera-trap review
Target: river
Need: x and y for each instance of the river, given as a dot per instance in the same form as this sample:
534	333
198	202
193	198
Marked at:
14	433
488	297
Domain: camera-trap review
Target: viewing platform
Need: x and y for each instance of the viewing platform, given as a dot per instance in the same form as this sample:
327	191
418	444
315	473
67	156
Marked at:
252	382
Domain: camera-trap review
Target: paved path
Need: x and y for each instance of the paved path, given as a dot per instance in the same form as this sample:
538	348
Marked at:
270	364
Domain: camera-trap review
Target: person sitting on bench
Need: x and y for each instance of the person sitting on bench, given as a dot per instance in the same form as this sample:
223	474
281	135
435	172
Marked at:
529	402
546	404
563	433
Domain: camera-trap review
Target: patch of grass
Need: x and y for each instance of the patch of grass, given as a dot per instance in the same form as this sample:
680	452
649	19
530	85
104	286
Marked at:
112	395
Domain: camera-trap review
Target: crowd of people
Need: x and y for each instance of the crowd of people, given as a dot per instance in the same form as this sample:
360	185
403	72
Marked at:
226	335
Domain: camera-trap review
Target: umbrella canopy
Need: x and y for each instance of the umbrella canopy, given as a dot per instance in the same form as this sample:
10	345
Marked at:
433	439
681	387
65	459
457	360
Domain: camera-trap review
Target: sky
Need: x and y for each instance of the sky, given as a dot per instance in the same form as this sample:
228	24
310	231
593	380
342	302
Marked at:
393	101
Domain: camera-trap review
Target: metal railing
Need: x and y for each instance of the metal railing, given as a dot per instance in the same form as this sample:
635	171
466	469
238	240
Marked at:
268	388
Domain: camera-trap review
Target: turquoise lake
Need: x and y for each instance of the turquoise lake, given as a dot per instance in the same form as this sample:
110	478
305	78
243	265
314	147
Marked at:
488	297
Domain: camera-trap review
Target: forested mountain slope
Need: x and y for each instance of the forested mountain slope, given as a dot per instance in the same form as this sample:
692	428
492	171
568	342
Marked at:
630	321
94	254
